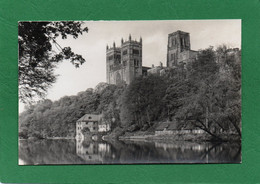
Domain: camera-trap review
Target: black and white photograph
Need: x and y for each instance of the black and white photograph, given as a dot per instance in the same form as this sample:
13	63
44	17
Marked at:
129	92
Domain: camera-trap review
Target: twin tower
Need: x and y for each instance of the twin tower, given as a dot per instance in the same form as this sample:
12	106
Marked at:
124	63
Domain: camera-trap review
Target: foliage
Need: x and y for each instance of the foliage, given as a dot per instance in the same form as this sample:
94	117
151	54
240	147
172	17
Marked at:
37	58
213	102
142	100
206	95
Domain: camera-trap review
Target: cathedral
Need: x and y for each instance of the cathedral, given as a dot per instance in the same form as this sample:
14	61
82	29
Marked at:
124	63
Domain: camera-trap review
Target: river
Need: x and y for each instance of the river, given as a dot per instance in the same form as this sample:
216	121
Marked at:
41	152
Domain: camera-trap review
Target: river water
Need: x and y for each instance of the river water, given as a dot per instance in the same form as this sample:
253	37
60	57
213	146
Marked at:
41	152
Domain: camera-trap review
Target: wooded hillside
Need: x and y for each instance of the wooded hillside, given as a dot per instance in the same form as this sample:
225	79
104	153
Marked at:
205	94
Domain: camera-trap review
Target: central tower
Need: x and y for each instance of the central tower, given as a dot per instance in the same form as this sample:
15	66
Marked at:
178	44
124	63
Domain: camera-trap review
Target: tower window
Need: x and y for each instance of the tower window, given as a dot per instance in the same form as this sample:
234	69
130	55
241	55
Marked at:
110	58
136	62
124	52
136	52
172	57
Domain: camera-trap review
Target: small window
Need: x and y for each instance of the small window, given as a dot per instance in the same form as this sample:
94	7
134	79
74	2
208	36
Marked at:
89	117
124	52
135	51
136	62
110	58
172	57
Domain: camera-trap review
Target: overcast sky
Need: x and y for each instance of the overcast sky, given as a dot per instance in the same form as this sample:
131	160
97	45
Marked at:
92	46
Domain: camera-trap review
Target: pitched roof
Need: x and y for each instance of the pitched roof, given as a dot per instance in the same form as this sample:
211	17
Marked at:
167	125
90	117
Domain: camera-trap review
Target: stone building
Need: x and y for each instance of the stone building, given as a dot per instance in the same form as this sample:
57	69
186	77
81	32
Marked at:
124	63
92	123
178	49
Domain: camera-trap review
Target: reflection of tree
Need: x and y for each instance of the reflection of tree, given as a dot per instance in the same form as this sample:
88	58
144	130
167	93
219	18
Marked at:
63	152
49	152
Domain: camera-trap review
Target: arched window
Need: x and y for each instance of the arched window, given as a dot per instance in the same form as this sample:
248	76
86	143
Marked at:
118	78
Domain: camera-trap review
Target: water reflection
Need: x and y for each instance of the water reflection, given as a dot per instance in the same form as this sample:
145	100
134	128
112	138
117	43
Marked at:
125	152
92	152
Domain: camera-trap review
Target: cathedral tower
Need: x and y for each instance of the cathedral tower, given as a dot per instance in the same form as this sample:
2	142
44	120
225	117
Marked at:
178	44
124	63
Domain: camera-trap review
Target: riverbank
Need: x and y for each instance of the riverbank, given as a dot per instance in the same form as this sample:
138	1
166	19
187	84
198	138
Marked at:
181	137
203	137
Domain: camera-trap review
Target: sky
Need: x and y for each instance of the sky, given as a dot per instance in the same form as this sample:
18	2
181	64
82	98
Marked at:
92	46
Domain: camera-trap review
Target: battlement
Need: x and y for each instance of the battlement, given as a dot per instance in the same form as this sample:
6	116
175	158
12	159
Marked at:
178	32
125	43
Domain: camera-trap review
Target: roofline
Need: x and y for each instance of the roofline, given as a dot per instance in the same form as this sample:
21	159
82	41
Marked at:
178	32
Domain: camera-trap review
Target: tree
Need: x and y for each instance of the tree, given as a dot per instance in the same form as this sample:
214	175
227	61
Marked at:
142	101
37	58
214	102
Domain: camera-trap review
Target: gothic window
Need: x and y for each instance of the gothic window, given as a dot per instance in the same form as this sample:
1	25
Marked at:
118	78
110	58
135	51
175	59
136	62
124	52
173	42
172	57
118	57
